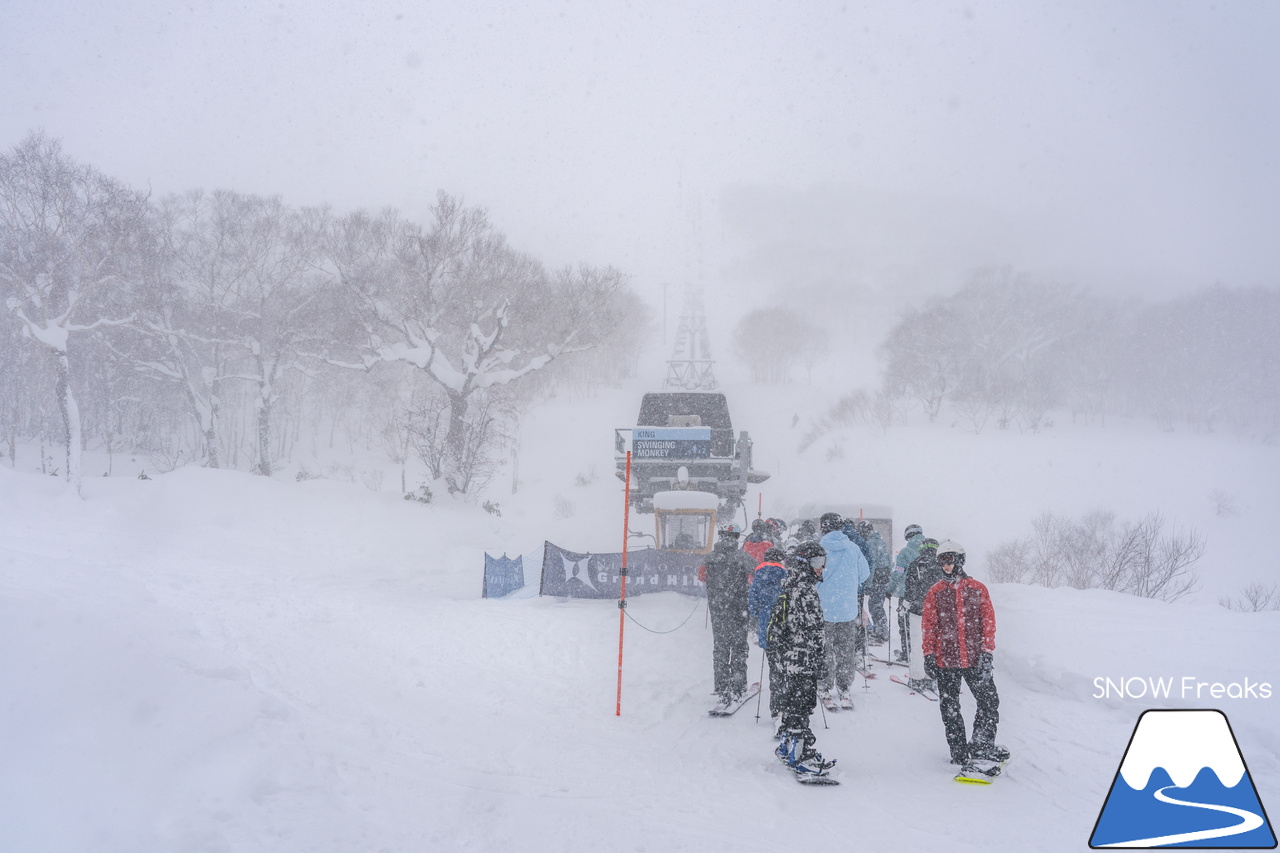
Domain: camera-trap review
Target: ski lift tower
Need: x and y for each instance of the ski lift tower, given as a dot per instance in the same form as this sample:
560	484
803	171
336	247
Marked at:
690	367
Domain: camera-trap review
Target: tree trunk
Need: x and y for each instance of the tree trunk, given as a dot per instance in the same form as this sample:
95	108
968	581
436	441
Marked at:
264	433
70	418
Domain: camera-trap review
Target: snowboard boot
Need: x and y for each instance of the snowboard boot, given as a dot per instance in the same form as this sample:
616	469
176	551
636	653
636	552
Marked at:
988	752
812	762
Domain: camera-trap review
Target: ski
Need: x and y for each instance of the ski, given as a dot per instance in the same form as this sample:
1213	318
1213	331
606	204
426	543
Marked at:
932	697
865	673
888	662
846	702
829	702
723	710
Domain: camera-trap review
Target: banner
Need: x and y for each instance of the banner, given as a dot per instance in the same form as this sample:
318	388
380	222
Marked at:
502	575
577	575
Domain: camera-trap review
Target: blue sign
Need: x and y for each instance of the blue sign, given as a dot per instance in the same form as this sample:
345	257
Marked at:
671	443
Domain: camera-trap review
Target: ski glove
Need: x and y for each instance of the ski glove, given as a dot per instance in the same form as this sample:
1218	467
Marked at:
986	665
931	666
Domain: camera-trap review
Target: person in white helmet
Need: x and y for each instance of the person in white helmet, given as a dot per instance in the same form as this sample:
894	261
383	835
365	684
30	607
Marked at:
959	641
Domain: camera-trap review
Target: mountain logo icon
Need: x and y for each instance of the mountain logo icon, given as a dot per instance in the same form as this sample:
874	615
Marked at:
1183	783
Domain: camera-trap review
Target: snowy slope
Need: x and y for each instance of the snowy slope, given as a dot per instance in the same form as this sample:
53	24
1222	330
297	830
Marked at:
209	661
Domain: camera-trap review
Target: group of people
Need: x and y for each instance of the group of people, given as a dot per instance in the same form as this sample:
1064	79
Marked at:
804	592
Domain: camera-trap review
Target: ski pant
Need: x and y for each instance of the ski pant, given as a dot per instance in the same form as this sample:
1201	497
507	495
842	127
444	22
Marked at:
916	634
841	643
875	604
799	698
903	625
777	681
985	720
729	654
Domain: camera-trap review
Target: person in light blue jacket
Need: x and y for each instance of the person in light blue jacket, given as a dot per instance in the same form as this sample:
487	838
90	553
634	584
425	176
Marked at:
846	570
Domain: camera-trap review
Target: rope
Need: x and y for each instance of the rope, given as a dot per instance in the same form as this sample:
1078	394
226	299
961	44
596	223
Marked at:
676	628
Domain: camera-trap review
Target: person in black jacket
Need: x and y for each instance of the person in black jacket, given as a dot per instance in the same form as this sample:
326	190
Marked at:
798	630
727	574
922	574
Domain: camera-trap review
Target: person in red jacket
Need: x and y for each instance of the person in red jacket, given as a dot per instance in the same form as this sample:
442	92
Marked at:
959	639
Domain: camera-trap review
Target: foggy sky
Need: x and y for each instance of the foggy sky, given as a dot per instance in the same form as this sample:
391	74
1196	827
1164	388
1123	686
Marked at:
753	146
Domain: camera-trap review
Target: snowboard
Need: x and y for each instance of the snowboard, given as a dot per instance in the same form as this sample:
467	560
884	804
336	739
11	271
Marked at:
720	711
932	697
980	772
821	777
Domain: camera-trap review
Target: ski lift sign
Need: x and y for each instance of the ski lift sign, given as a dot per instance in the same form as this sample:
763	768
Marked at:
671	443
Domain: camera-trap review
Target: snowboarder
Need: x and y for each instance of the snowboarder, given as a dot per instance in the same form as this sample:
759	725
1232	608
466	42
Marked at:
726	573
921	575
959	627
846	570
764	593
796	630
914	536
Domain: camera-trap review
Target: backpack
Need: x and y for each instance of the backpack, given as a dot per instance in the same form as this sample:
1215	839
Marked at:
778	632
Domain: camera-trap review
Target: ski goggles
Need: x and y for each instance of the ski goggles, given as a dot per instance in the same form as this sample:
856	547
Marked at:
946	558
818	562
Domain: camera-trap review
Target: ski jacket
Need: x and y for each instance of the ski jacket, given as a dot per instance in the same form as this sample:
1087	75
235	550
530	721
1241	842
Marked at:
800	609
756	545
763	595
856	538
909	552
920	577
846	570
958	623
878	557
727	573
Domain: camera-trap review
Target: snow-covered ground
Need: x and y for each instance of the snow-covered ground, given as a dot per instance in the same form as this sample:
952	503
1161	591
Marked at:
211	661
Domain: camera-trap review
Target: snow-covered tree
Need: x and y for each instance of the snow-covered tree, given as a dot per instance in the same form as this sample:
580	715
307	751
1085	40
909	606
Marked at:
454	301
72	244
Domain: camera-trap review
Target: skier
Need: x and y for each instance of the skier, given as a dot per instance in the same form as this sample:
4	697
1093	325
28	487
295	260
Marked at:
796	629
726	573
758	541
914	536
959	627
765	589
878	587
921	575
846	571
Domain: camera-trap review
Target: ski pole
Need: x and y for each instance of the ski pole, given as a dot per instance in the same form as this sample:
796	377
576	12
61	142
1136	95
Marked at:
823	709
760	694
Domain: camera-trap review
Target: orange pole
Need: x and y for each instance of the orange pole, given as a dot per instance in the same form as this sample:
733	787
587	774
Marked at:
622	602
760	505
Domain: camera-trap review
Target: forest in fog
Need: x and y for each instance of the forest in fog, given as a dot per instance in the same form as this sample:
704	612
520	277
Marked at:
231	330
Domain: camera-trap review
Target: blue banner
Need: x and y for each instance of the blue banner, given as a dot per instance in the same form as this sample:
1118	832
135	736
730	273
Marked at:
577	575
502	575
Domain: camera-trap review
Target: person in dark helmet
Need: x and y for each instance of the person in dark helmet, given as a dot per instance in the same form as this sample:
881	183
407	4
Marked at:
877	588
914	536
758	541
807	531
796	630
846	571
921	575
727	574
959	641
764	593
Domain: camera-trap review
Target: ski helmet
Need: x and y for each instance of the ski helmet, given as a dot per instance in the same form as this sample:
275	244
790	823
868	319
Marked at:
912	530
774	555
759	526
811	552
731	530
953	549
929	545
863	527
830	521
